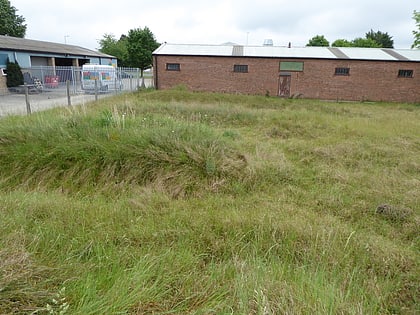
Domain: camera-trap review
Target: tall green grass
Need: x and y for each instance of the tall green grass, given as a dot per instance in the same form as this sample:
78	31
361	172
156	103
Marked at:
115	150
171	202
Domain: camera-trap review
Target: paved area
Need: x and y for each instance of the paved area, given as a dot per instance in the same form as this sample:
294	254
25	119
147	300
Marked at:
15	103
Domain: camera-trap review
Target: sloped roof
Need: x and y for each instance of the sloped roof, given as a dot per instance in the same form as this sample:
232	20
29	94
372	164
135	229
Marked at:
30	45
385	54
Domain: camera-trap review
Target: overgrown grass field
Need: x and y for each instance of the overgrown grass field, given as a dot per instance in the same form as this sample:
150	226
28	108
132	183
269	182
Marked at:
172	202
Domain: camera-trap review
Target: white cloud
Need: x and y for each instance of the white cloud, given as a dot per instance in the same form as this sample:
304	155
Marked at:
219	21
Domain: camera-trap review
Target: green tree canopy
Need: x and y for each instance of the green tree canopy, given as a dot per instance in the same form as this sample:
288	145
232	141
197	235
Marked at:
383	39
118	48
11	24
318	40
140	45
416	33
341	43
365	42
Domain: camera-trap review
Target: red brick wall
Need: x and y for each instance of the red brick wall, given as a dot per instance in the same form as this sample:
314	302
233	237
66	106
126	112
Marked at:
368	80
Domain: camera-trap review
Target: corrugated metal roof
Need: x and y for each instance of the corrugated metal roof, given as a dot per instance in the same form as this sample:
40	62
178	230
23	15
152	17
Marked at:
275	51
296	52
411	54
366	53
197	50
23	44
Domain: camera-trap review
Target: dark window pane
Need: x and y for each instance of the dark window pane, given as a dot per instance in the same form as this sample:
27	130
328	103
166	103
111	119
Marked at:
173	67
405	73
240	68
342	71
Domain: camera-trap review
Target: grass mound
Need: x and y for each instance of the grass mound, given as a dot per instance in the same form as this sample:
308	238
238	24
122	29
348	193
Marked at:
113	150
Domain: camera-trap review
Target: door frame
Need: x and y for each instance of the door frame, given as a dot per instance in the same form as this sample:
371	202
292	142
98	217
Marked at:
285	82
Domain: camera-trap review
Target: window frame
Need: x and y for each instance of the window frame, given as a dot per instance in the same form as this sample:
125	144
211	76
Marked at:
405	73
240	68
172	66
342	71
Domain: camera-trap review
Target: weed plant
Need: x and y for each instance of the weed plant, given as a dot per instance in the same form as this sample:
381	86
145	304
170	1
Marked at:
173	202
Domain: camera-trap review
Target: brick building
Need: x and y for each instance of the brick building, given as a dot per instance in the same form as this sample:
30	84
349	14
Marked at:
329	73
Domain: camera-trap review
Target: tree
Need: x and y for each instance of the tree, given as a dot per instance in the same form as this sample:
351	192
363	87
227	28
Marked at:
118	48
383	39
318	40
365	42
11	24
341	43
140	45
14	74
416	33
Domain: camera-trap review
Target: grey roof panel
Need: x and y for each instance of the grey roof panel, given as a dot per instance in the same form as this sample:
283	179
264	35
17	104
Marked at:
366	53
238	50
395	54
338	53
410	54
23	44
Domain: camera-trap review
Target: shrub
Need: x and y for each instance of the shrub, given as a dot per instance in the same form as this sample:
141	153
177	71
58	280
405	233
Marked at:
14	74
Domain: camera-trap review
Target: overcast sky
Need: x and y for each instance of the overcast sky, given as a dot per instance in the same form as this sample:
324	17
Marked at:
84	22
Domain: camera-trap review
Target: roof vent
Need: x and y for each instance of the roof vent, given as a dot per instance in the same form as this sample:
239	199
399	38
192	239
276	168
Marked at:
238	50
268	42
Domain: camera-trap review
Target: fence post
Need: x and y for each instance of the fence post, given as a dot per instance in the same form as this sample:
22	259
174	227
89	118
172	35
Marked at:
68	93
96	89
28	105
42	75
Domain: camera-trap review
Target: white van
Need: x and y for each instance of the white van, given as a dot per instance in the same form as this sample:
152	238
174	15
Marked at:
105	76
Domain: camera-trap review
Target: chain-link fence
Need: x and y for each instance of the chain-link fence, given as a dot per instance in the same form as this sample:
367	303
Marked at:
46	87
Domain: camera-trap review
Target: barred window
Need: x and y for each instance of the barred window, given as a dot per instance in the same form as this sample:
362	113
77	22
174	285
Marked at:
342	71
173	67
240	68
405	73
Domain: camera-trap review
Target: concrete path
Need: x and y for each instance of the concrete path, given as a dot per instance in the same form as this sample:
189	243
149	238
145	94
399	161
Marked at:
15	104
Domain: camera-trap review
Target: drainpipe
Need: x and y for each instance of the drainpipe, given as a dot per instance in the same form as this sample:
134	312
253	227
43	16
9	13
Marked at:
155	74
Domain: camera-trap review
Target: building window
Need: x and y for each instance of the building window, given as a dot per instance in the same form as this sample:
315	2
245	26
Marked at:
240	68
3	59
173	67
342	71
405	73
